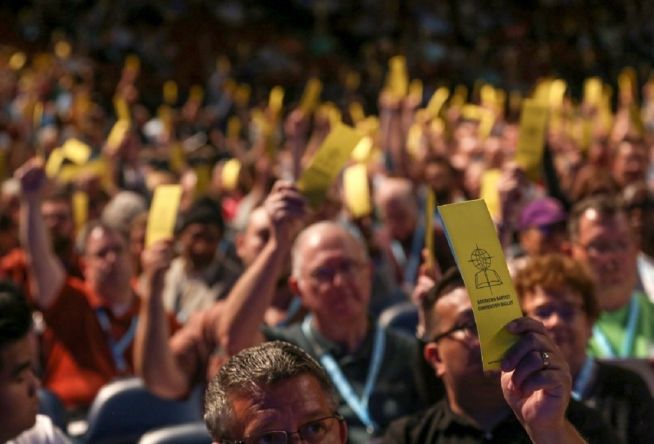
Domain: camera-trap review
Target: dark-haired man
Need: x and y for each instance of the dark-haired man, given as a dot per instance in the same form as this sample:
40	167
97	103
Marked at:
527	401
19	422
269	393
201	274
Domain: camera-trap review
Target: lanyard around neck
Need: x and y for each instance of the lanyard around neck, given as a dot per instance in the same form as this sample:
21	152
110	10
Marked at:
629	335
358	404
584	379
119	347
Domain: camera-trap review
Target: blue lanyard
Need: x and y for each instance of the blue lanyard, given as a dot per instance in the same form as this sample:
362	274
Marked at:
412	262
358	405
629	337
583	379
119	347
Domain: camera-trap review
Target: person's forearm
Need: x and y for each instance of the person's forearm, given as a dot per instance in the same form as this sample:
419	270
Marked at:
248	300
153	358
566	434
47	273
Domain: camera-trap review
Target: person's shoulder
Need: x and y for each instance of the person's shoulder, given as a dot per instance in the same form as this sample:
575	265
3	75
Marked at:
43	432
417	427
590	424
400	342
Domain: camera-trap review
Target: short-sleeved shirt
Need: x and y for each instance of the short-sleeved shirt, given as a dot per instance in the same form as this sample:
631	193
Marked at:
186	293
439	425
395	392
613	327
78	359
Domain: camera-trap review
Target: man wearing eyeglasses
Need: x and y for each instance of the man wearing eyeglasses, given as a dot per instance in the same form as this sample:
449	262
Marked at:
331	273
603	241
274	393
558	292
528	401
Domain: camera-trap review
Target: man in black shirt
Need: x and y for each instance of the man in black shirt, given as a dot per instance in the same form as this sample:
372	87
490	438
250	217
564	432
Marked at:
528	401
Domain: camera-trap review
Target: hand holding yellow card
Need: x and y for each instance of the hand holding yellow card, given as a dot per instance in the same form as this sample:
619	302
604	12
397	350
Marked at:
531	138
328	161
357	191
479	256
163	213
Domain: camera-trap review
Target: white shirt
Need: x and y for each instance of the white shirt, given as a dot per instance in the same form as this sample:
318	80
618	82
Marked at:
43	432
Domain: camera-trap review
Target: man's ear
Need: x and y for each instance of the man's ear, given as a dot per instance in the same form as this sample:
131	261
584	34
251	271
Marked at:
238	244
431	353
294	285
342	429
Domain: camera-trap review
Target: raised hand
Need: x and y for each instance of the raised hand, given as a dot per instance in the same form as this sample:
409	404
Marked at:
287	210
536	380
32	178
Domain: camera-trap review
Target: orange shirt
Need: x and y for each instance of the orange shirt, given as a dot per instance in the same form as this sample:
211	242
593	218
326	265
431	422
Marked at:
77	350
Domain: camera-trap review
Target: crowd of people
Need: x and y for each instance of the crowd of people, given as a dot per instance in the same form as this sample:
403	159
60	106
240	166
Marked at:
384	342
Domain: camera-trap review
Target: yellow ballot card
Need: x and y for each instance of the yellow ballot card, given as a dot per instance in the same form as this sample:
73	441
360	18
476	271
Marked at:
276	99
117	135
437	101
170	92
230	173
398	77
327	163
430	207
531	137
592	91
357	191
311	95
479	256
76	151
163	213
80	209
121	108
490	182
55	160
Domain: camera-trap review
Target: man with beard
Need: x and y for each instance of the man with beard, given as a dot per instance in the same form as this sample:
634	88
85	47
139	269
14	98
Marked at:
89	324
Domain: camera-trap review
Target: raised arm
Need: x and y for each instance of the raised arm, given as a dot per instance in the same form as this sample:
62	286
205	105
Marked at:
47	272
252	294
536	383
153	358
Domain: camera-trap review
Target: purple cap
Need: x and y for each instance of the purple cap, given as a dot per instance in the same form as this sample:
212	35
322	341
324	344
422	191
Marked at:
540	212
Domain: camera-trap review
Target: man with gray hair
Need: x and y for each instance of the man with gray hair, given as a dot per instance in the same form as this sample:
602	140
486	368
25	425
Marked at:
269	393
331	273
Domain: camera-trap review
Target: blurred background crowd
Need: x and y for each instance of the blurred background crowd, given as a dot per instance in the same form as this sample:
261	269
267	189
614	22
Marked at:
226	97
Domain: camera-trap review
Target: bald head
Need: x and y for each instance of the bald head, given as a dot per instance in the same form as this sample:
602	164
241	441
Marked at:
325	234
397	206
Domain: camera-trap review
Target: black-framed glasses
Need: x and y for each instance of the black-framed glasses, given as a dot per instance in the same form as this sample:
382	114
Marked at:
317	431
464	330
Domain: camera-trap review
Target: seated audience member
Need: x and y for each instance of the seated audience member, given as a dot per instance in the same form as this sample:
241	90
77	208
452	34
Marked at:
268	394
57	211
638	202
201	274
19	402
371	368
89	324
558	292
543	227
528	400
193	355
603	241
629	161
